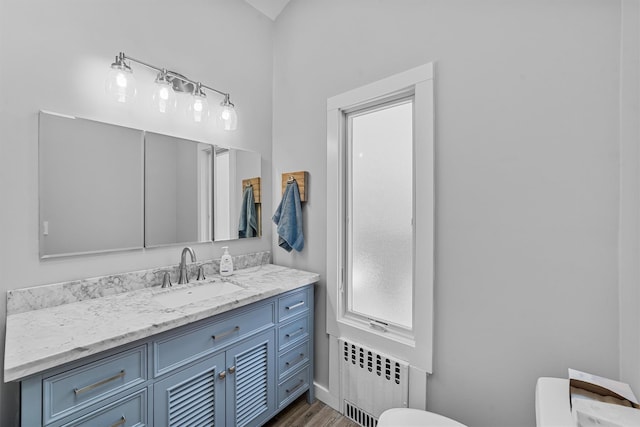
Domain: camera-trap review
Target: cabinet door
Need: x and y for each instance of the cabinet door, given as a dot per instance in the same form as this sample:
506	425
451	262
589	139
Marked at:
192	397
251	381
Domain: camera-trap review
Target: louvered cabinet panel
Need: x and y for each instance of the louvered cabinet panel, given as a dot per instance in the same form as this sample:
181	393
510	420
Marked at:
251	381
193	396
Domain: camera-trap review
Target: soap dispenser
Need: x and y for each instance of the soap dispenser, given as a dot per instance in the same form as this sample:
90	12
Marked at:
226	263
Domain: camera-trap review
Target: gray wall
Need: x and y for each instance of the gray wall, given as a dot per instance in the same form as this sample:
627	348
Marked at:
629	233
527	178
60	54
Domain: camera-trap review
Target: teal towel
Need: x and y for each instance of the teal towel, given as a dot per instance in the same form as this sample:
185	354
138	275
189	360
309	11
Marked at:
288	218
248	224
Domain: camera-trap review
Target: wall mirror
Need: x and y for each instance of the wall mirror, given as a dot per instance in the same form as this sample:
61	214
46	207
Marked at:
91	186
178	192
104	187
235	171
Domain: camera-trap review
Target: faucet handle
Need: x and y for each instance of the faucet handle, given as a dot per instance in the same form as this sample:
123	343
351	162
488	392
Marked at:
201	273
166	280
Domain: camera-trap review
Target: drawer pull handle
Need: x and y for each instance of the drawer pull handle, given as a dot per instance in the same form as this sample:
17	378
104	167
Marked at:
293	334
78	391
296	360
297	386
291	307
224	334
121	422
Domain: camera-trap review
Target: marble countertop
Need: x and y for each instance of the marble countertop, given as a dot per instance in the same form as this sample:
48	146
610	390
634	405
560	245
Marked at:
37	340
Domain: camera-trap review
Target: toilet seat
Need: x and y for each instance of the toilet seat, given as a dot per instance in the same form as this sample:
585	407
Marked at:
407	417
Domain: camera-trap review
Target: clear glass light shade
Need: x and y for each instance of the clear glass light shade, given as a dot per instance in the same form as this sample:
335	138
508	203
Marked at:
226	117
164	98
120	84
198	109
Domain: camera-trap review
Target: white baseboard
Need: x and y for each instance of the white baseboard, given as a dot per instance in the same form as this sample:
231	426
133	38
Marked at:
323	395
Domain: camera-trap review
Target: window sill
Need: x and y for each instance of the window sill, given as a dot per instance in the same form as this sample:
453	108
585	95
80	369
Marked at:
391	334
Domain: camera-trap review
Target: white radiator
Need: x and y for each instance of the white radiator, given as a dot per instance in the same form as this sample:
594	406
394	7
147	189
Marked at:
371	382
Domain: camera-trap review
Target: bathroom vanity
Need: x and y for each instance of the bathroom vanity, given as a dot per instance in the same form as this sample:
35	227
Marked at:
224	353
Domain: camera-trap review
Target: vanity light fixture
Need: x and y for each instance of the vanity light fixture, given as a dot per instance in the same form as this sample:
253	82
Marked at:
227	117
120	85
198	109
164	98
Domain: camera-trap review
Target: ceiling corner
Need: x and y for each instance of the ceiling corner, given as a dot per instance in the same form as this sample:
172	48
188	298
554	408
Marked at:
270	8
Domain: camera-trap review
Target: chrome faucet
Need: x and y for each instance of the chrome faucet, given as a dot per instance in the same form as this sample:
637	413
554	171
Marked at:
184	275
166	280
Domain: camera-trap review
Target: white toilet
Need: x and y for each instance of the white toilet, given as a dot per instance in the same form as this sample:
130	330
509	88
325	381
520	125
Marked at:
407	417
552	409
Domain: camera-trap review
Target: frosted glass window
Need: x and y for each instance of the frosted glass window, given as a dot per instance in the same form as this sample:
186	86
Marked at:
380	193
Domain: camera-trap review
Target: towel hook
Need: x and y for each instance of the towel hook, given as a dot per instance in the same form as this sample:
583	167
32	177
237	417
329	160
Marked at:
299	178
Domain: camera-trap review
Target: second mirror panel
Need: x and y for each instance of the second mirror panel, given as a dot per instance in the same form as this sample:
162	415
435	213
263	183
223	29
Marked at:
178	190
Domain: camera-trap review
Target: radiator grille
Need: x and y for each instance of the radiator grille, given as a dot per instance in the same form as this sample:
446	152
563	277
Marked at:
358	416
371	383
191	403
357	355
251	385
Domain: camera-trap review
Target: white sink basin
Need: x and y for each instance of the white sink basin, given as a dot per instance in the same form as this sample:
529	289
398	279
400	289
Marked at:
179	297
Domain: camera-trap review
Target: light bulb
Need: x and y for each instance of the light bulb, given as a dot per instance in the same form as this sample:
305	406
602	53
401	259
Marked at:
164	98
198	110
120	84
227	118
121	80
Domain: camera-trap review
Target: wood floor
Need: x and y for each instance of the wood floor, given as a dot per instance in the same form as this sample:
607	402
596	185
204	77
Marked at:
301	414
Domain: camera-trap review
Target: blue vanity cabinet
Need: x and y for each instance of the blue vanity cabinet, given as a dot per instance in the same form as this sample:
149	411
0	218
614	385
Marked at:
103	390
192	396
235	369
82	386
128	411
251	381
295	345
235	387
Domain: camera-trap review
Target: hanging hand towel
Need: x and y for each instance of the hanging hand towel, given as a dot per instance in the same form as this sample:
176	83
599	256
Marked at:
288	217
248	224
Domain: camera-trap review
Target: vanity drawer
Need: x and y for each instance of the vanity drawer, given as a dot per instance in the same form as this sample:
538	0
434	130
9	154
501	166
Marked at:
130	411
69	391
293	359
290	305
291	388
178	350
293	332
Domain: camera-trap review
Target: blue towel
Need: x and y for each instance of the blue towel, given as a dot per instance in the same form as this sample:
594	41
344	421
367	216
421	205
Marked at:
288	217
248	224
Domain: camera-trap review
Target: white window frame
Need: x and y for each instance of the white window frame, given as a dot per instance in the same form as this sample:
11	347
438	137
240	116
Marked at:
398	332
416	347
